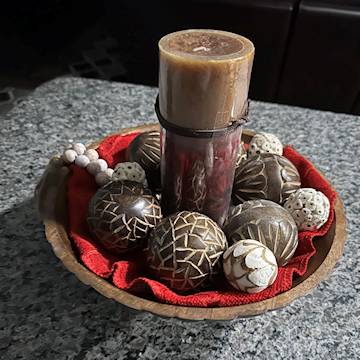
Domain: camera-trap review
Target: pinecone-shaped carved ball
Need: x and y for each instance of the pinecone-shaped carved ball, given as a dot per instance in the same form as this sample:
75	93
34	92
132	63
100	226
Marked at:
121	215
250	266
265	176
145	150
185	249
266	222
309	208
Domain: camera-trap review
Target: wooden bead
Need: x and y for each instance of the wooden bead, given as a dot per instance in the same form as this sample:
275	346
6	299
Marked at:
92	154
104	177
79	148
69	156
97	166
82	161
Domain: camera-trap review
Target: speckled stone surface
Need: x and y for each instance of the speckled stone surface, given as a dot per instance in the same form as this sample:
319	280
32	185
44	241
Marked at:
46	313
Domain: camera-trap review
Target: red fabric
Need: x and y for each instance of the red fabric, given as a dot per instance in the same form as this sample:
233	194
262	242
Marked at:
129	273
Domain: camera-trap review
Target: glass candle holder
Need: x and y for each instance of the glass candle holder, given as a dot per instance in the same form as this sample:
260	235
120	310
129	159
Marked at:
203	87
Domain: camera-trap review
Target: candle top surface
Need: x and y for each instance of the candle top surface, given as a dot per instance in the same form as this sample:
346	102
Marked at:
206	45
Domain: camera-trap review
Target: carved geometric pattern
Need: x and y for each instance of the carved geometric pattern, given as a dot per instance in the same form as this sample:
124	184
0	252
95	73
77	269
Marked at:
266	222
195	194
185	249
265	176
121	214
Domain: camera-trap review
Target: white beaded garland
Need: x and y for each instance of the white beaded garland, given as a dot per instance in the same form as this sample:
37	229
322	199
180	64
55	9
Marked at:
249	266
104	177
129	171
79	148
82	161
97	166
309	208
69	156
92	154
265	143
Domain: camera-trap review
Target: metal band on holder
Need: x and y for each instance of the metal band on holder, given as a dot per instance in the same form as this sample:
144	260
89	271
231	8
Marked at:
199	133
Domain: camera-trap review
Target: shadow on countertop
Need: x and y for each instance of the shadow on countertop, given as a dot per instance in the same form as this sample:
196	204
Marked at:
48	313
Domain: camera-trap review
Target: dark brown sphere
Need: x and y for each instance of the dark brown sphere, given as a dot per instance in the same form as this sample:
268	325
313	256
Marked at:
266	222
145	150
185	249
121	215
265	176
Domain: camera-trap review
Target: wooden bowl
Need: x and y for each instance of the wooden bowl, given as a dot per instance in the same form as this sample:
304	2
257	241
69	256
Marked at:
52	189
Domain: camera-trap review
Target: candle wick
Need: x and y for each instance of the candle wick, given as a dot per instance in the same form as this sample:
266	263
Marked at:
201	48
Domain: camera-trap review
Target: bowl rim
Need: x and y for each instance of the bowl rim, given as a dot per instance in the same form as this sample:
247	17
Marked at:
57	236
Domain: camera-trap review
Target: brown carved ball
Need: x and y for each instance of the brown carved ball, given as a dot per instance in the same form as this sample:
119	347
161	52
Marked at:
185	249
265	176
145	150
266	222
121	215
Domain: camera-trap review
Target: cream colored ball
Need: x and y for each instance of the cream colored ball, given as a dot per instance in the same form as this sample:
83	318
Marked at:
69	156
79	148
82	161
92	154
129	171
250	266
309	208
265	143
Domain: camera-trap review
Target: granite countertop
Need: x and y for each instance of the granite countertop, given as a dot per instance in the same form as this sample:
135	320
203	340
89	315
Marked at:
46	313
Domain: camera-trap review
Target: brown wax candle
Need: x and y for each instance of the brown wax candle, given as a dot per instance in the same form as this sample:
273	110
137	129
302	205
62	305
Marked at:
204	78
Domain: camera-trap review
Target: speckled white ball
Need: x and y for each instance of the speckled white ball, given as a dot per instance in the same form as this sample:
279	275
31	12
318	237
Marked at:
97	166
92	154
309	208
82	161
265	143
249	266
69	156
79	148
102	178
129	171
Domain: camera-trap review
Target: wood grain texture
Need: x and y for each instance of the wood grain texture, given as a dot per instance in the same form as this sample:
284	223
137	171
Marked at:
329	250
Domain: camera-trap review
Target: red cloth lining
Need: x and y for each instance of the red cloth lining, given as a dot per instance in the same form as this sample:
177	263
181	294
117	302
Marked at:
129	273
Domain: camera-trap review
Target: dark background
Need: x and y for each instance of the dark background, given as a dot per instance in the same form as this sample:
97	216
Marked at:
307	52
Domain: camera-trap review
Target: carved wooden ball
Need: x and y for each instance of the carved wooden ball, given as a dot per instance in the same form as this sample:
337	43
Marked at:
121	215
250	266
266	222
145	150
265	176
185	249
